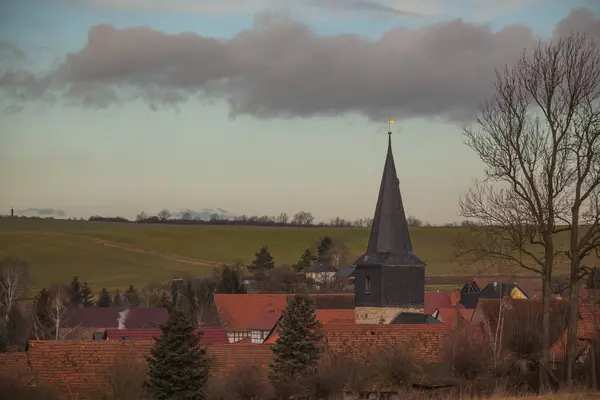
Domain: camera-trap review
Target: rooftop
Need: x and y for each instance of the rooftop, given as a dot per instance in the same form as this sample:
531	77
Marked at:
107	317
389	240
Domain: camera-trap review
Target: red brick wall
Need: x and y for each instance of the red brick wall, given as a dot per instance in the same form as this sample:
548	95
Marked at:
14	368
82	366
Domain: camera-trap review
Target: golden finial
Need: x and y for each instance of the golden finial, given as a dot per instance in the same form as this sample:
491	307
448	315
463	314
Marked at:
390	122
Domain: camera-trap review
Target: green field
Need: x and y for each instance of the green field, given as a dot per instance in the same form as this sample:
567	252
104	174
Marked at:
117	254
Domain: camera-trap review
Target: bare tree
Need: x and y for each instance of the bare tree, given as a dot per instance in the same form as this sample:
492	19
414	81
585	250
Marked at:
539	138
142	216
282	218
302	218
164	214
414	221
337	254
13	275
186	215
50	314
58	313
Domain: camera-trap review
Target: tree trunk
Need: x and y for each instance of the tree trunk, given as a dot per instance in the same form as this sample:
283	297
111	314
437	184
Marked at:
594	380
573	297
573	316
546	299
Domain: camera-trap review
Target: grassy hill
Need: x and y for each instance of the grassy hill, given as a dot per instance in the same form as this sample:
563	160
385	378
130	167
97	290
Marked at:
117	254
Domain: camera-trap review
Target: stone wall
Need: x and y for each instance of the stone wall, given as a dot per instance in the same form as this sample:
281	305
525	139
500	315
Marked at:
380	315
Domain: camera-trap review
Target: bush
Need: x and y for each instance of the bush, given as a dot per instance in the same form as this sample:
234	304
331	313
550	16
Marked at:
15	391
394	366
331	377
468	358
126	381
245	383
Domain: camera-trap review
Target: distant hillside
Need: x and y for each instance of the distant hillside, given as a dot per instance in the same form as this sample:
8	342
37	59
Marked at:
117	254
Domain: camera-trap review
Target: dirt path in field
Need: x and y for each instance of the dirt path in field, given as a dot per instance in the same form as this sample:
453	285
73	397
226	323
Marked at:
127	247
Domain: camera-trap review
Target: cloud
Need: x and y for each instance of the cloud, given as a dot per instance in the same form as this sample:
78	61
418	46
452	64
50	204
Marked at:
389	7
9	50
282	69
41	212
398	8
580	19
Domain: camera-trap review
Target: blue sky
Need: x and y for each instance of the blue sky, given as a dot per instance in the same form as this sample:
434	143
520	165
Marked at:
127	157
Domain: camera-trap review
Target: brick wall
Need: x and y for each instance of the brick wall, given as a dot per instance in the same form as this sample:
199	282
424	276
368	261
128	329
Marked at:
14	368
83	366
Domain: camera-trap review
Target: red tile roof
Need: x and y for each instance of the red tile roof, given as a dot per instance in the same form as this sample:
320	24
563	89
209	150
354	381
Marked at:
450	315
14	367
210	336
267	321
424	342
80	366
102	318
238	312
324	317
436	300
243	312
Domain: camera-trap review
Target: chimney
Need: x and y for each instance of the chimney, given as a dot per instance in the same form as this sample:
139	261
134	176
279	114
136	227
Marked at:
122	318
455	297
12	212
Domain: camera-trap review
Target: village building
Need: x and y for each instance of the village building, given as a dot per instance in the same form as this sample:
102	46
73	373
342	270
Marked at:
91	322
389	277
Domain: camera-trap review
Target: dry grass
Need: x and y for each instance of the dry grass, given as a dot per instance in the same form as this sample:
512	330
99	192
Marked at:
575	396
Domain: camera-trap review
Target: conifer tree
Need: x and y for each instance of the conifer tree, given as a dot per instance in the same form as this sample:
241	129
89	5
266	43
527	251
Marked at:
178	367
231	281
297	350
188	304
132	296
41	321
104	299
323	247
163	301
118	300
306	260
75	292
86	295
263	262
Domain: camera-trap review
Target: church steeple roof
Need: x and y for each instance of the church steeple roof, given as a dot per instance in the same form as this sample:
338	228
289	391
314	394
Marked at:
389	241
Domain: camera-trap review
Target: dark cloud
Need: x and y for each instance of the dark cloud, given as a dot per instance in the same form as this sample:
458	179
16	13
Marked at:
10	50
13	108
281	68
362	5
42	212
581	19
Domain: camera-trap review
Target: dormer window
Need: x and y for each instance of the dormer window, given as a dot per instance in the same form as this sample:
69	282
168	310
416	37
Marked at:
368	284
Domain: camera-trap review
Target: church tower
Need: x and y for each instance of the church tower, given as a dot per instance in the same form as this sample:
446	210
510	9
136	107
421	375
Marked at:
389	277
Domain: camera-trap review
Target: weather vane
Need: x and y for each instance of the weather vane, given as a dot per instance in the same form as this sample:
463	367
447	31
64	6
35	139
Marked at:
390	123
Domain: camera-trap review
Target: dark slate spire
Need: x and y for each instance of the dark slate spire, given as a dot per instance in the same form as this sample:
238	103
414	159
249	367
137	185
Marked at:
389	241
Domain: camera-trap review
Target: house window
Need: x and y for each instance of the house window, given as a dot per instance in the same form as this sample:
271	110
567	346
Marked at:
368	284
259	336
236	336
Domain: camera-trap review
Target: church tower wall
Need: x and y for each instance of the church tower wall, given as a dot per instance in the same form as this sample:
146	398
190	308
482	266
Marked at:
389	277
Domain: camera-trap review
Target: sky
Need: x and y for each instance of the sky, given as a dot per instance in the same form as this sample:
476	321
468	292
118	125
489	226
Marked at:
257	107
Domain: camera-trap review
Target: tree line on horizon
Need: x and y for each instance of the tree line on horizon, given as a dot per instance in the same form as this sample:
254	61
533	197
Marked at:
299	219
